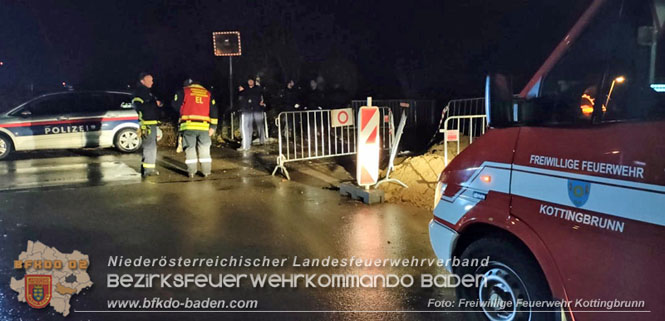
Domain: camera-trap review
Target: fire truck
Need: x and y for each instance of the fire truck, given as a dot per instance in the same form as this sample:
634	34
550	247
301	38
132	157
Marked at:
565	193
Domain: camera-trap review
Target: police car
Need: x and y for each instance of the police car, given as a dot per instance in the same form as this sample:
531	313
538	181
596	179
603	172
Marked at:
71	120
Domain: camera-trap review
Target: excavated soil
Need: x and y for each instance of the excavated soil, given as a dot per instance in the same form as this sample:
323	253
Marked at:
421	174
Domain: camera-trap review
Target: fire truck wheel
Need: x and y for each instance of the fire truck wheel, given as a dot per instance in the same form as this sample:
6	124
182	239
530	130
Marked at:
510	280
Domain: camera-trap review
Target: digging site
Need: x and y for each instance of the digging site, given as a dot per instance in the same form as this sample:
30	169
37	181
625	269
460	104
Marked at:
419	171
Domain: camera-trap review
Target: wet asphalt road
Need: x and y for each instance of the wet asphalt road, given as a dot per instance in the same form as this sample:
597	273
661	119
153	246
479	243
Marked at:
94	202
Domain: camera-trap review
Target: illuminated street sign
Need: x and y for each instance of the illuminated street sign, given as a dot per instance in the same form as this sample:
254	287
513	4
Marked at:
226	43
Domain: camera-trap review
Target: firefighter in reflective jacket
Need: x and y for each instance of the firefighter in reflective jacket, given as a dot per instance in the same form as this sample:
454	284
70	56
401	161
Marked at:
146	105
198	121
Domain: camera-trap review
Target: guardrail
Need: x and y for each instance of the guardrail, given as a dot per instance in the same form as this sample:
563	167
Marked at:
307	135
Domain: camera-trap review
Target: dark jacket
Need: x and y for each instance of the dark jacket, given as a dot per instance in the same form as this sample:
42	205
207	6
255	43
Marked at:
288	98
314	99
249	99
145	104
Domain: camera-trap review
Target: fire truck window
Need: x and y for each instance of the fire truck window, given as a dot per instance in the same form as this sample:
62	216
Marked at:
656	92
627	93
573	83
604	76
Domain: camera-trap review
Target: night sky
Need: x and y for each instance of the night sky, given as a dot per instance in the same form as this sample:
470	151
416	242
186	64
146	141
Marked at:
388	49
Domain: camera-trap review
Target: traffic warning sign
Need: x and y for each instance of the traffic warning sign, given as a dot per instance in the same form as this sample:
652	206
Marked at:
341	117
367	172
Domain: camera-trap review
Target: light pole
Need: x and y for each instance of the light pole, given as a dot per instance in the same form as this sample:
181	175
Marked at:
617	80
231	82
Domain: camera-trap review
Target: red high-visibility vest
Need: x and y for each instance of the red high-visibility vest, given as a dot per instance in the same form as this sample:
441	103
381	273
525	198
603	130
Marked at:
195	109
196	104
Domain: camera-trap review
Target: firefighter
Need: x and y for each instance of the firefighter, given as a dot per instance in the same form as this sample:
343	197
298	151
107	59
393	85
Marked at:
146	104
198	121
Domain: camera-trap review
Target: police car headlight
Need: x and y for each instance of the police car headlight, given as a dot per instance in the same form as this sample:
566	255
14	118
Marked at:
438	191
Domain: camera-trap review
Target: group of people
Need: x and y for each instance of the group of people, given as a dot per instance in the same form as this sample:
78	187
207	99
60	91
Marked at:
293	98
198	116
252	104
196	124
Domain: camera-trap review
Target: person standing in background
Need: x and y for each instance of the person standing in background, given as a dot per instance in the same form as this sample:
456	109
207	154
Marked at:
288	97
250	102
314	97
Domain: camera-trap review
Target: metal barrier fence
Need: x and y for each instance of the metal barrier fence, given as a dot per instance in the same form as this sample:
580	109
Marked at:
469	106
421	113
464	129
307	135
458	107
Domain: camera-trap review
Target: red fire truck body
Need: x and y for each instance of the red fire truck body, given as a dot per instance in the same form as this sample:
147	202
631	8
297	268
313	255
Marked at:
569	205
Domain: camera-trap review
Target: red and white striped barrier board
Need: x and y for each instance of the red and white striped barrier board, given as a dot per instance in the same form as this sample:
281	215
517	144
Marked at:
367	172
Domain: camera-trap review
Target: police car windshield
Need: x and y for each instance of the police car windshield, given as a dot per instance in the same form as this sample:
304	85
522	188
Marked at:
607	75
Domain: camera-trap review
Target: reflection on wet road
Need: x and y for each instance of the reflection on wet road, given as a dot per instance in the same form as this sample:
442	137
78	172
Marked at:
34	174
240	212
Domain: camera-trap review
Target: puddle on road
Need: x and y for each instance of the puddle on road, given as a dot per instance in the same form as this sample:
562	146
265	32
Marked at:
16	176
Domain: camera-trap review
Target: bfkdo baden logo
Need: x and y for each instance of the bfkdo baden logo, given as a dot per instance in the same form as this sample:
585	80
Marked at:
51	277
38	290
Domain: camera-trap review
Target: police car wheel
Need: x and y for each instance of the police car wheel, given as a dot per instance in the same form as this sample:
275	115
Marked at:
127	140
5	147
512	278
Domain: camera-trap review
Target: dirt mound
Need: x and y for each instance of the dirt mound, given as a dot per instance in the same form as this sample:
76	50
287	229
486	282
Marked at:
169	135
421	174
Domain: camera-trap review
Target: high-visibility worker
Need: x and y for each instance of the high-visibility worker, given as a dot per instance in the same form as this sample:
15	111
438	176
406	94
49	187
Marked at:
198	121
146	105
